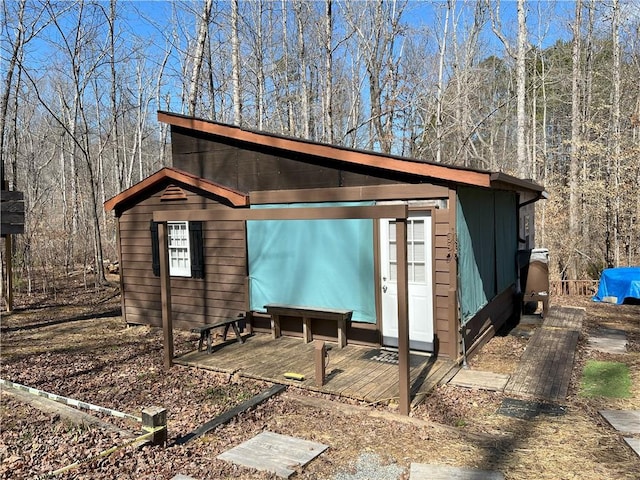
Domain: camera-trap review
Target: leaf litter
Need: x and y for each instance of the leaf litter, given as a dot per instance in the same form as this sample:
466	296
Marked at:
78	348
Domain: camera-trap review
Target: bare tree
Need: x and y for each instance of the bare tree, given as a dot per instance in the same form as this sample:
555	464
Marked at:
519	54
198	55
235	63
327	135
576	138
615	139
440	88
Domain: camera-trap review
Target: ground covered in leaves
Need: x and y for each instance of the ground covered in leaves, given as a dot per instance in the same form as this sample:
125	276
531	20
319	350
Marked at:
78	346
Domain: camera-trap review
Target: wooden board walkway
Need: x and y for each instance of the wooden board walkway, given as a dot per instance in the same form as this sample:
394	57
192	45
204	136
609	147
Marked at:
544	371
481	380
351	371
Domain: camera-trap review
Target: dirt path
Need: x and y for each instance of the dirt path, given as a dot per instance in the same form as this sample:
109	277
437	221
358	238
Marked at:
83	350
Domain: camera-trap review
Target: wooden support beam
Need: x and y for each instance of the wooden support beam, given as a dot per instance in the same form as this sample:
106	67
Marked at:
312	213
396	191
8	243
403	317
165	294
230	414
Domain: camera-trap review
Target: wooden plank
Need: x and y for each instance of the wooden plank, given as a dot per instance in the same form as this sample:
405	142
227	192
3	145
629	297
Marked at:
365	380
74	415
442	265
143	292
481	380
441	228
189	305
441	241
368	212
313	312
545	367
8	196
12	217
10	229
230	414
345	194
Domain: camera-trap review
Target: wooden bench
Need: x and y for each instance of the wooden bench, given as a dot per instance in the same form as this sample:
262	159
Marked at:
307	313
205	330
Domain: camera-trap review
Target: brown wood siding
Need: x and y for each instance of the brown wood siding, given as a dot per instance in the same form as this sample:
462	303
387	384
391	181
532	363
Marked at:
222	294
243	167
445	334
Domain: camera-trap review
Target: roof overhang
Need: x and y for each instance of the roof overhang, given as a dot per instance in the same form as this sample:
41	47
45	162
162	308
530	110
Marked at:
233	197
507	182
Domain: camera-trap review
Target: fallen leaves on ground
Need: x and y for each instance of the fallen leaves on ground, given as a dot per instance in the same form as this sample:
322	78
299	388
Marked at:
78	347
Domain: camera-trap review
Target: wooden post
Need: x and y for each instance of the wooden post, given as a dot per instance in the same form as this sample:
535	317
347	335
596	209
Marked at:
320	353
165	294
153	418
403	317
8	243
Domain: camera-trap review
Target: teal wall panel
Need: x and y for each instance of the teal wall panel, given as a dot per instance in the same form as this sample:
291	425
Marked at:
321	263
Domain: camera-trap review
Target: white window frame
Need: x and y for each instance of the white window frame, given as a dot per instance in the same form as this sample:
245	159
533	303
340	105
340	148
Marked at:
179	249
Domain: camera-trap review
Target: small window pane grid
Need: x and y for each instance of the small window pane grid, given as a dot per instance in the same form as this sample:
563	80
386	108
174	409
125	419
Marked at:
179	258
416	254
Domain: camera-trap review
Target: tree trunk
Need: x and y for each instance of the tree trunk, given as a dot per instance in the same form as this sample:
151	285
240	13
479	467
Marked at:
8	80
235	64
521	85
328	79
302	71
198	56
576	143
440	89
615	129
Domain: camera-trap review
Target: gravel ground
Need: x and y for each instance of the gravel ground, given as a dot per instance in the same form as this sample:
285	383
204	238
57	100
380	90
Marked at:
369	467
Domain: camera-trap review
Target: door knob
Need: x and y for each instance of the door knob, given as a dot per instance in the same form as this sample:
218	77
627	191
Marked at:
384	288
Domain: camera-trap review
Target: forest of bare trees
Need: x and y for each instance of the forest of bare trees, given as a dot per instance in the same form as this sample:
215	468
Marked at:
540	89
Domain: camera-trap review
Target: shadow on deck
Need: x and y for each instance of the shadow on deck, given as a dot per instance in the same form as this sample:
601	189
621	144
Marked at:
362	373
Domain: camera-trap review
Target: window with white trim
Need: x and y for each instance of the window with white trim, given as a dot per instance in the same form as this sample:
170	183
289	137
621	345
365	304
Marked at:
179	254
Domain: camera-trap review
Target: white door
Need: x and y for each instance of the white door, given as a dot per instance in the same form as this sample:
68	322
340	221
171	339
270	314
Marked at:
419	268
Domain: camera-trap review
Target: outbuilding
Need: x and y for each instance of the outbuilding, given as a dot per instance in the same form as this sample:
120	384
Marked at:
233	248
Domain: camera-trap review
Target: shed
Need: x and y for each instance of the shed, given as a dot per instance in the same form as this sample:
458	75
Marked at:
463	227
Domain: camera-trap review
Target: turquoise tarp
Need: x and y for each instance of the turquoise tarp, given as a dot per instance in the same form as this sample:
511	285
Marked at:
487	227
323	263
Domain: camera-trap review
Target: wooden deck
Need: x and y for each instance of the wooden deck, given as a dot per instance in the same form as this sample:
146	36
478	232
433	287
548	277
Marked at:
544	371
351	372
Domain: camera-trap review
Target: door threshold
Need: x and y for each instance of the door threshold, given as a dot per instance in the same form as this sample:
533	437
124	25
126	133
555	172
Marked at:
412	352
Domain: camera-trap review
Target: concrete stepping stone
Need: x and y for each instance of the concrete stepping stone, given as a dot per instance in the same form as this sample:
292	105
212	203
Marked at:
468	378
609	340
634	443
624	421
422	471
275	453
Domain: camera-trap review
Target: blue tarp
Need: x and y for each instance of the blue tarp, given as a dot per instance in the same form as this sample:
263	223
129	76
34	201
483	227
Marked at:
618	284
